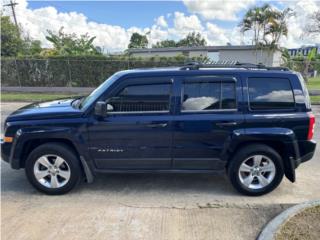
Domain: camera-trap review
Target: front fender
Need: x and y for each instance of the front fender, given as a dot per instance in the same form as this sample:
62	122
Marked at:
264	135
24	135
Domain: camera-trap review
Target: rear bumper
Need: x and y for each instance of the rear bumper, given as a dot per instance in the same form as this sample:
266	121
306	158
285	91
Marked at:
306	157
307	150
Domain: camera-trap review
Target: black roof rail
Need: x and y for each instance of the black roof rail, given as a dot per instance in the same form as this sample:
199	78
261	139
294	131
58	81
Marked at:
197	66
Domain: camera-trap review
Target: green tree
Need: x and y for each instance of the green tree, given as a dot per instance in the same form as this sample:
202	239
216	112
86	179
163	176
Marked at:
30	47
304	64
165	43
192	40
11	42
307	62
35	47
286	58
138	41
72	45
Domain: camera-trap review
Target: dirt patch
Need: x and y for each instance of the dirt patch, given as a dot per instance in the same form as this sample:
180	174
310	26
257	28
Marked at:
303	226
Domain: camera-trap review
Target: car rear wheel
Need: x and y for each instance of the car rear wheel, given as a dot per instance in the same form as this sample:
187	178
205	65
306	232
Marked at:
256	170
53	168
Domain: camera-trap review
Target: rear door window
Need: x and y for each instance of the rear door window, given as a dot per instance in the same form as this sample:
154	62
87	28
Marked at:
206	96
270	93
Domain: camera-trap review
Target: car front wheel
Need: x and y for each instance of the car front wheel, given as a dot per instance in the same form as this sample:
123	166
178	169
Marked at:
53	168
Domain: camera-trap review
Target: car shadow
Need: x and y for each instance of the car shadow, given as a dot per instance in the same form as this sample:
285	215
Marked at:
15	181
171	183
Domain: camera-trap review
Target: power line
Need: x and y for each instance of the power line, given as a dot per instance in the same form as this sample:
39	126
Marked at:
12	5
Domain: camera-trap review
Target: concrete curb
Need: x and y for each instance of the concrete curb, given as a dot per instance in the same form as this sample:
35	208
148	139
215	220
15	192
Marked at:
270	230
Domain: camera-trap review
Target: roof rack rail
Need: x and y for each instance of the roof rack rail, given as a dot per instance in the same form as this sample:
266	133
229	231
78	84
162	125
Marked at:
197	66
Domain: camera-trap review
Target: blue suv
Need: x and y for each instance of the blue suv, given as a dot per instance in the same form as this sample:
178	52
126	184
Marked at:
252	121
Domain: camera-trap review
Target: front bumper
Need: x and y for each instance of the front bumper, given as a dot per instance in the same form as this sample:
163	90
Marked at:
5	151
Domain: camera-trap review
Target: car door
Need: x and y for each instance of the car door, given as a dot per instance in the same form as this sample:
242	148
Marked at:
137	131
207	114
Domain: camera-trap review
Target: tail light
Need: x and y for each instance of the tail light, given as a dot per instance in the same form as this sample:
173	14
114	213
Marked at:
312	122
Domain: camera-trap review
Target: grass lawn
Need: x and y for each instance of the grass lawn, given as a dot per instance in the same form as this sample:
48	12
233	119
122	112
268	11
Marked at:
32	97
314	83
303	226
315	99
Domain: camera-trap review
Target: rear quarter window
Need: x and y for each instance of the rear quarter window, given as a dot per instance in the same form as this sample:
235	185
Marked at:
305	92
270	93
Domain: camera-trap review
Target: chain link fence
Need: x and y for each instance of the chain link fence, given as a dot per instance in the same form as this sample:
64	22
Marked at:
88	72
68	72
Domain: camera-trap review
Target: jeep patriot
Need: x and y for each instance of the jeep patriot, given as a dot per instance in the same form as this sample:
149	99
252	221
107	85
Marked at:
253	122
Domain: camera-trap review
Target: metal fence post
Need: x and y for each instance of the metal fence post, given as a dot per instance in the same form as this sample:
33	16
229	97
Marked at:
69	71
17	69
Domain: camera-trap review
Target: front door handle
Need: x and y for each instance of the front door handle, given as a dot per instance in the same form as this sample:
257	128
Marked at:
226	124
157	125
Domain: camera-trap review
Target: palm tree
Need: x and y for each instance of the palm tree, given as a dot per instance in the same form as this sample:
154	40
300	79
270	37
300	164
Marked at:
267	24
253	21
277	26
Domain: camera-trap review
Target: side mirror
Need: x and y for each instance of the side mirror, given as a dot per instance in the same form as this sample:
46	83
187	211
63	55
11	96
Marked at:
100	109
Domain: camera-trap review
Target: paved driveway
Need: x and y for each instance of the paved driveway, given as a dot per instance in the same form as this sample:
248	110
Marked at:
147	206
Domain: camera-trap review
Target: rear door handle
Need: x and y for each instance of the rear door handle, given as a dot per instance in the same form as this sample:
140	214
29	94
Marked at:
157	125
226	124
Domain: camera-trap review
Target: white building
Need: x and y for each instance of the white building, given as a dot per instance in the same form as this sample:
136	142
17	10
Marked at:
244	54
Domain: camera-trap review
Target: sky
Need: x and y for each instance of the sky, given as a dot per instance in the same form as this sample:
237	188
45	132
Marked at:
113	22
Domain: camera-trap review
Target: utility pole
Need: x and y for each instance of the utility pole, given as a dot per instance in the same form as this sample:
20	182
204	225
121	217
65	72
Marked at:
12	5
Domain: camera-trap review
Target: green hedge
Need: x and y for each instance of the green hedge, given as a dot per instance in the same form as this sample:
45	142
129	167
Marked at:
87	71
75	72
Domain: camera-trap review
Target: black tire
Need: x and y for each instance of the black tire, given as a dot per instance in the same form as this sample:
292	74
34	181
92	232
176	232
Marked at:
244	153
62	151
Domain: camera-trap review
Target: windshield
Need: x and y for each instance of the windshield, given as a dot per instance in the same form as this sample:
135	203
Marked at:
95	94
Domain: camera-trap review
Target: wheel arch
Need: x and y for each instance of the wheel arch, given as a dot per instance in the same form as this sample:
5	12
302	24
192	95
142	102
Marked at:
278	146
32	144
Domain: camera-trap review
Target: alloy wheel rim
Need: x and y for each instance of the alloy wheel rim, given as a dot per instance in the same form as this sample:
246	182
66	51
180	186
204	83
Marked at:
52	171
257	172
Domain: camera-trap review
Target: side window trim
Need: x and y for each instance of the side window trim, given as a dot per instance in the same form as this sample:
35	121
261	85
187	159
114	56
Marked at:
210	79
235	95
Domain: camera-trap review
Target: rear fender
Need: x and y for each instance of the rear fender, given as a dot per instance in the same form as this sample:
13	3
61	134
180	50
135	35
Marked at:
284	136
